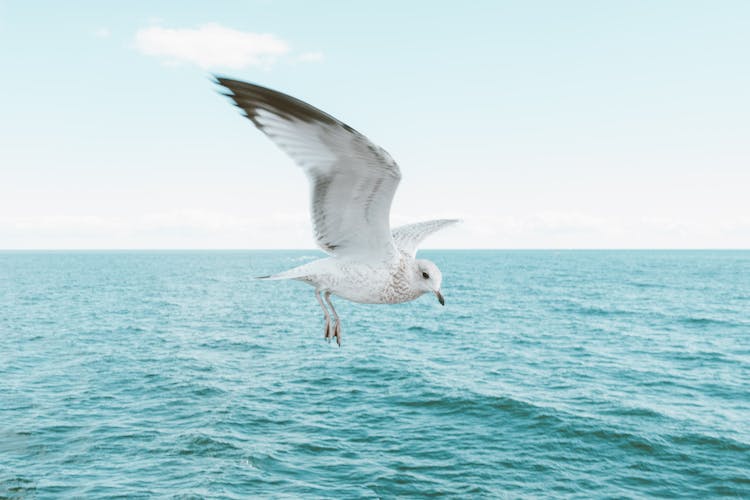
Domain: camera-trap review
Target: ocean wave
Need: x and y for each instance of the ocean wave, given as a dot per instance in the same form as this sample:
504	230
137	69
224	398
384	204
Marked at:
564	375
704	321
204	446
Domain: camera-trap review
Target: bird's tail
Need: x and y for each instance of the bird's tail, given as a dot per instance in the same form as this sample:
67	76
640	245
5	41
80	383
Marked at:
279	276
291	274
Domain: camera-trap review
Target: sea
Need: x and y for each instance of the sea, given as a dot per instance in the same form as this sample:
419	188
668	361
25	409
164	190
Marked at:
548	374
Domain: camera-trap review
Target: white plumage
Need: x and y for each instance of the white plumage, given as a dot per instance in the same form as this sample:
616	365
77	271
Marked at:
352	183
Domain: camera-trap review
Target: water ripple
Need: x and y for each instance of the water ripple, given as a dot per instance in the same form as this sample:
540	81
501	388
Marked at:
548	374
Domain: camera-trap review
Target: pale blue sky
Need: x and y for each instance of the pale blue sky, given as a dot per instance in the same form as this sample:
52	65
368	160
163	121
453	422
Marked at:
541	124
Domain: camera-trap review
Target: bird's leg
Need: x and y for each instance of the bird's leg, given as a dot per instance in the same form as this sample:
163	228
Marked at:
337	326
328	331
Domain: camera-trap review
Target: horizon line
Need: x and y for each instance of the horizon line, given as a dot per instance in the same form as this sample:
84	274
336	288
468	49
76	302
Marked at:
494	249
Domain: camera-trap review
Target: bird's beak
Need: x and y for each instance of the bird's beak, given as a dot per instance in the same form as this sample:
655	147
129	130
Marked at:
440	297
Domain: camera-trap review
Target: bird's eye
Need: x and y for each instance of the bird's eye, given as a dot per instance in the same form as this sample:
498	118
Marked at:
425	275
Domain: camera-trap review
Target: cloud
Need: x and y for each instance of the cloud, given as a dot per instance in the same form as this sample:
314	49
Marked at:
167	229
211	46
566	221
204	220
195	228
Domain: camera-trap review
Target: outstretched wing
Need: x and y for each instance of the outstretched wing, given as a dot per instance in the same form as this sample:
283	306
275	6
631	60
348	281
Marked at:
409	237
352	181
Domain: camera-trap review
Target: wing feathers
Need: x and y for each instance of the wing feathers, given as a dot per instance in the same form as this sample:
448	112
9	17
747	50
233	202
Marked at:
352	180
252	98
408	237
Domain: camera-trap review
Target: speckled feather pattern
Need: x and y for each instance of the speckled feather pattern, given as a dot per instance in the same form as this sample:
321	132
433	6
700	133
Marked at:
368	283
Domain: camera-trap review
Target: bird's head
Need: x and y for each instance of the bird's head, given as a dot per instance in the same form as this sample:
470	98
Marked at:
428	278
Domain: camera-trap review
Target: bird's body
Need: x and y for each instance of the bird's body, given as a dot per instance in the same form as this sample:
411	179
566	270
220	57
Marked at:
357	281
352	185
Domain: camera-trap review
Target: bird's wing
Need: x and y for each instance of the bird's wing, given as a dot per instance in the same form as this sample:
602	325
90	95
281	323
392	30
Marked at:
352	180
409	237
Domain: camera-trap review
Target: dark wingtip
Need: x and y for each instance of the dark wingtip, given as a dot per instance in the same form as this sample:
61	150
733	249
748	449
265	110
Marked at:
251	97
217	79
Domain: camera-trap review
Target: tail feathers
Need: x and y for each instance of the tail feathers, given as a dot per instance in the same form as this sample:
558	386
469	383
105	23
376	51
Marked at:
297	273
279	276
286	275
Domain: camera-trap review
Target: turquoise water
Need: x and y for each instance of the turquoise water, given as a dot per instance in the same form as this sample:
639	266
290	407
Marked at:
547	374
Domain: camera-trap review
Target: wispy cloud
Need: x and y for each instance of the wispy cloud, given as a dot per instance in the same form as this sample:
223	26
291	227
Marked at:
211	46
189	228
193	228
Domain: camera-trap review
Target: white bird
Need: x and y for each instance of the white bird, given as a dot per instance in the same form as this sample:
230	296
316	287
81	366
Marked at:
352	185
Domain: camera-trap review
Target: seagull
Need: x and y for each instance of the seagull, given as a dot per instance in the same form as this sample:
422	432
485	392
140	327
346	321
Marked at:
352	183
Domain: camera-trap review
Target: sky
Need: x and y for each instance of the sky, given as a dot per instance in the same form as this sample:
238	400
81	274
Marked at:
540	124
